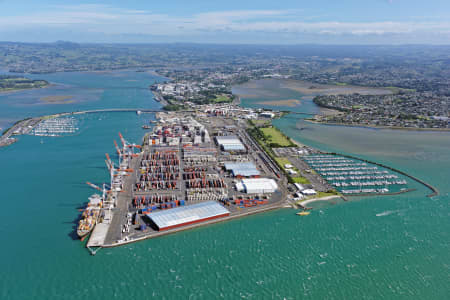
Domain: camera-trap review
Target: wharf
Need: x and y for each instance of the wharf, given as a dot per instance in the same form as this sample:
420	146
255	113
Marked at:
98	235
153	234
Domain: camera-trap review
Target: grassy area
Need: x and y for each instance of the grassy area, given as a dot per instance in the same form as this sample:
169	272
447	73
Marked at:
173	107
282	161
301	180
261	122
222	99
275	137
260	134
327	194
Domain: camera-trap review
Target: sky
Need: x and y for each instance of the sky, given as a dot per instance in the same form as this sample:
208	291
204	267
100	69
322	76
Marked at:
227	21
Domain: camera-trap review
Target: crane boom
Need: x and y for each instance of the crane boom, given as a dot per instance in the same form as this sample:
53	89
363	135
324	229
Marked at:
93	186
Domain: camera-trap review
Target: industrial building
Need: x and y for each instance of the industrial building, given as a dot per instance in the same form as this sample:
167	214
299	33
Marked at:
185	215
230	143
244	169
309	192
257	185
299	187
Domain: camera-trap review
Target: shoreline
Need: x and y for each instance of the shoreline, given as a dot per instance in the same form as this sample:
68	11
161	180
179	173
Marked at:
22	90
306	202
275	206
377	127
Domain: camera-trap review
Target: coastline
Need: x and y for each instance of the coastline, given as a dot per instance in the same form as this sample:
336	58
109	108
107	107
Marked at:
21	90
306	202
311	88
378	127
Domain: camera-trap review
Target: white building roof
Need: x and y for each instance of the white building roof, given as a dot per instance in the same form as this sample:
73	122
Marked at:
186	214
309	192
259	184
246	169
230	142
299	186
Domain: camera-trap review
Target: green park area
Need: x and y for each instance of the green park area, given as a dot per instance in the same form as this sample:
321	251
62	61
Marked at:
275	138
222	99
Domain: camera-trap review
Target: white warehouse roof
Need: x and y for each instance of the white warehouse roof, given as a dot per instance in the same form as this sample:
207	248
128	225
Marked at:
230	142
185	215
257	185
245	169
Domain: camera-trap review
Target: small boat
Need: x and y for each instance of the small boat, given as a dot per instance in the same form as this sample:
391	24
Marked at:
303	213
146	127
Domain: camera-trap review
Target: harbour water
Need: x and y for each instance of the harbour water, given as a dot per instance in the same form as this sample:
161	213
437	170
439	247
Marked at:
391	247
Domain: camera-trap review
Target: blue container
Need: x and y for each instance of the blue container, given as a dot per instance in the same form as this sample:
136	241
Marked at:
144	210
181	202
154	207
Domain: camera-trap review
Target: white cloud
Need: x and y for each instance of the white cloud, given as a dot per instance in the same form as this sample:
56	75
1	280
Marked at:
108	20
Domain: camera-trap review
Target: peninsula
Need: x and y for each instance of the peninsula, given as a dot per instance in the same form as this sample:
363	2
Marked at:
411	110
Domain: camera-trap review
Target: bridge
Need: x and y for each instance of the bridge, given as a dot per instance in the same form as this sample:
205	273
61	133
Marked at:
143	110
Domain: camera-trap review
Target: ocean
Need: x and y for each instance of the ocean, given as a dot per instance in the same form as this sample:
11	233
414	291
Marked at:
385	247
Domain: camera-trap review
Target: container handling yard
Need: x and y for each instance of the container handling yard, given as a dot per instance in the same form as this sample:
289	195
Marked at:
200	167
189	171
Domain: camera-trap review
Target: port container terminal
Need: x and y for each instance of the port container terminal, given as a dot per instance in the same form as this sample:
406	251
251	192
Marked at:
190	170
202	167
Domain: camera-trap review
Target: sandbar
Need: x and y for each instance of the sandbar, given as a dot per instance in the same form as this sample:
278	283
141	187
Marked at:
57	99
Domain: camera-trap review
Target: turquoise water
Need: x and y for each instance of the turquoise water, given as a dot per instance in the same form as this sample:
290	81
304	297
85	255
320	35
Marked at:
119	89
371	248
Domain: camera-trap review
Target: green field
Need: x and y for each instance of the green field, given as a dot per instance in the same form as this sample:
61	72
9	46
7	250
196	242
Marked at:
282	161
274	136
222	99
301	180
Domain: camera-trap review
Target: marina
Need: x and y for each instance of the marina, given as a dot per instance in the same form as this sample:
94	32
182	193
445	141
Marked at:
56	127
349	176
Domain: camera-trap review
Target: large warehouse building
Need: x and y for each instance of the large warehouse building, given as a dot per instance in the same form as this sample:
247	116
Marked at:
257	185
185	215
230	143
244	169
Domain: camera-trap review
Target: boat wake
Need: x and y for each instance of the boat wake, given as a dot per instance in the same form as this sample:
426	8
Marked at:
386	213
